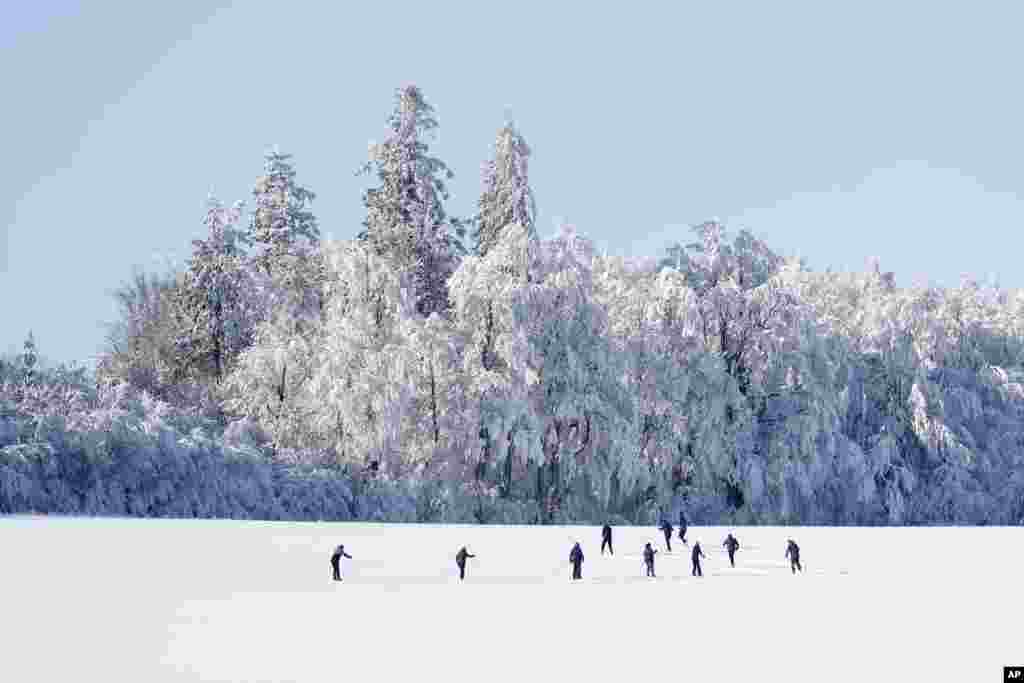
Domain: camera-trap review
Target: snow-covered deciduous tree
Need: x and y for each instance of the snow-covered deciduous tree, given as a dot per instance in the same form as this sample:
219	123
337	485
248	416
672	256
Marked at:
438	431
651	315
484	291
140	345
743	310
406	219
745	317
271	378
570	369
359	390
507	198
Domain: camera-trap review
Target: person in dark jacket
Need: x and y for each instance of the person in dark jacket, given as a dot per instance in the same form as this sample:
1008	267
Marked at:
666	528
339	553
695	556
576	558
606	538
460	559
731	546
682	527
793	553
649	554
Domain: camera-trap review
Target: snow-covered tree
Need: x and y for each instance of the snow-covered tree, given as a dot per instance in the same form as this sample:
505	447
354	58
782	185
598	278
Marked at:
215	305
571	370
280	221
140	346
287	236
406	219
484	291
29	360
507	198
651	318
270	381
359	393
743	311
438	431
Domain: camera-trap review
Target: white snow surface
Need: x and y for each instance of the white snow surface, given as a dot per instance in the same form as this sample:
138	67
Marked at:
167	600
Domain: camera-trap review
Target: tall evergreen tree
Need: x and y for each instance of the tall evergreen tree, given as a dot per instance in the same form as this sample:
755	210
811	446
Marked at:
29	359
214	304
280	221
287	234
507	197
406	221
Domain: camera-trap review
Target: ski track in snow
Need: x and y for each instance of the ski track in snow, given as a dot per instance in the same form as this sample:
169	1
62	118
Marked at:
168	600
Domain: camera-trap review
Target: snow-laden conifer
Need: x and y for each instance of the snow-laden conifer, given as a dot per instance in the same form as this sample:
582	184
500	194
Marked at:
507	197
215	305
406	220
287	236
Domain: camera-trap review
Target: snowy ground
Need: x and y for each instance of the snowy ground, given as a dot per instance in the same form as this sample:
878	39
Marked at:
161	600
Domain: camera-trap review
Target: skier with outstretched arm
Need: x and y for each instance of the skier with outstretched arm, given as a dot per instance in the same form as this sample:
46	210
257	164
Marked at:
731	546
576	558
460	560
336	556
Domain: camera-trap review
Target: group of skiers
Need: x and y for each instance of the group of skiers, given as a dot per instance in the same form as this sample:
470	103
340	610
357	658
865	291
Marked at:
731	545
696	553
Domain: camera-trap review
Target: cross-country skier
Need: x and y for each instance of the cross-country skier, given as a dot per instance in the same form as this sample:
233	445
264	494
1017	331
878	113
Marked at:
682	527
460	559
793	553
576	558
666	528
606	538
649	554
695	556
731	546
339	553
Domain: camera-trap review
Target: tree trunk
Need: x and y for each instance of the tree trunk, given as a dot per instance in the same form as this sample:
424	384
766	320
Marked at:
218	335
510	451
433	405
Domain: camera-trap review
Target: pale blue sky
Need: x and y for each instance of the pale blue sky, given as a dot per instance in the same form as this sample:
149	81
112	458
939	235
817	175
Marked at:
834	134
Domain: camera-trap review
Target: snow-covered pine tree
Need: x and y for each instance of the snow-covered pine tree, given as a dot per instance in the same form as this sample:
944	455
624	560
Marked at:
507	197
287	235
406	221
506	200
214	303
29	359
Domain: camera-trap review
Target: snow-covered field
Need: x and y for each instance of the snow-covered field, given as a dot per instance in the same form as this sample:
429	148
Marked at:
162	600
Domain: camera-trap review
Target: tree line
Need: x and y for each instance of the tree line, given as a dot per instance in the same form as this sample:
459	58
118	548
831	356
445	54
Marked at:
464	369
